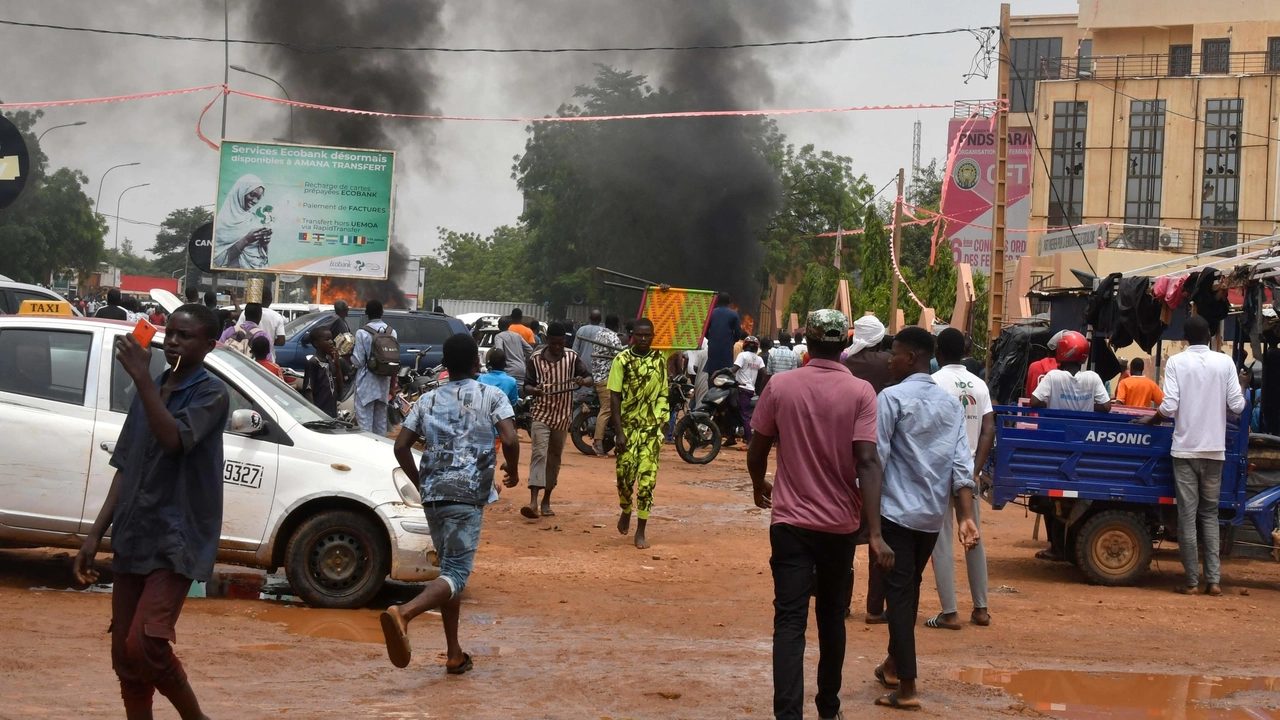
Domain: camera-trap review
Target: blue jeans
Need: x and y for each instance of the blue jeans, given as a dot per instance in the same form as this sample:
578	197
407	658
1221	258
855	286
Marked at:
455	532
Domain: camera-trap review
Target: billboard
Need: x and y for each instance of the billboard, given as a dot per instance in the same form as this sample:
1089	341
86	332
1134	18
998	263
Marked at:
303	209
968	192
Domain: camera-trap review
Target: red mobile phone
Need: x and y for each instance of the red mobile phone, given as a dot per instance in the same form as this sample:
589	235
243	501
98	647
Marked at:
144	332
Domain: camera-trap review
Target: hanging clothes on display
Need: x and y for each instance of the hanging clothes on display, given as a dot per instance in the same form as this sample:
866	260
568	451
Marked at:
1211	304
1138	315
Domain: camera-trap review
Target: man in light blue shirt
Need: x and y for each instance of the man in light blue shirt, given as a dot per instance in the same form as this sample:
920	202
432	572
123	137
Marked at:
372	390
924	447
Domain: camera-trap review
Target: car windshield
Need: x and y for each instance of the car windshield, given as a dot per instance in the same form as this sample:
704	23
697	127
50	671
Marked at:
290	401
298	324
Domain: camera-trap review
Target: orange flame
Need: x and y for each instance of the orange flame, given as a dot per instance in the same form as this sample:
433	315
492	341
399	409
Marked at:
333	289
748	324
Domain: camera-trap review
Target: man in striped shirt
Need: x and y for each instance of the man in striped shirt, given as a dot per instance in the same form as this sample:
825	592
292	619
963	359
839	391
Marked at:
550	376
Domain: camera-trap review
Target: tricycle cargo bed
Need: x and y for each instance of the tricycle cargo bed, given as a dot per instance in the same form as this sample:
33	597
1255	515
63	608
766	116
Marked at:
1099	456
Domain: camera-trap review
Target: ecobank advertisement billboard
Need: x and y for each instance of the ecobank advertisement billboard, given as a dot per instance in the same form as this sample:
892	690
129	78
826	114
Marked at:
303	209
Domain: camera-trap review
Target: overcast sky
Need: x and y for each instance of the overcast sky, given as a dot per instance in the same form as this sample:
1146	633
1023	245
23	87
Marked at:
458	175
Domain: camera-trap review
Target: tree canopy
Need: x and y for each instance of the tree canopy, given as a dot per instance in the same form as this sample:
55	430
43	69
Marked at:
51	227
468	266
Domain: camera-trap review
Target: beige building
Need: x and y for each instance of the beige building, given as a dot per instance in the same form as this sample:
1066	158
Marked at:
1157	120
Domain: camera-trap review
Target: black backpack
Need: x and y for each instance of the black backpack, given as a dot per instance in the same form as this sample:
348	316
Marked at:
384	355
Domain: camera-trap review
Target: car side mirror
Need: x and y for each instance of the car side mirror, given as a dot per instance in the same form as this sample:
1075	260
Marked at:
306	338
247	422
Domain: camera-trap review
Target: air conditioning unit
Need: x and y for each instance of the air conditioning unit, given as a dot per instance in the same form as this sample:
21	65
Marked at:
1170	240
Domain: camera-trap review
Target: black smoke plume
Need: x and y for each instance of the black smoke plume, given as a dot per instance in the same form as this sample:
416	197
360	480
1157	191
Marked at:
387	81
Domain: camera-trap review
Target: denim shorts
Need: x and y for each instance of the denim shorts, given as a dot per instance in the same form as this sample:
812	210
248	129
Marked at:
455	531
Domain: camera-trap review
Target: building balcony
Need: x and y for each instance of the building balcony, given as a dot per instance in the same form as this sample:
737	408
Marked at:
1176	64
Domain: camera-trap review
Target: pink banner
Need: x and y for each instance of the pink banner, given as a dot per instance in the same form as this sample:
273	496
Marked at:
968	192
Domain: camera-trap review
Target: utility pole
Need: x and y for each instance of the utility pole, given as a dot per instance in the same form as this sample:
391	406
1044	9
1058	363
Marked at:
896	249
995	286
226	63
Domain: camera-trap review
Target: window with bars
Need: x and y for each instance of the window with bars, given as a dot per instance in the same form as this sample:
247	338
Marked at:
1066	172
1220	196
1145	174
1273	54
1033	59
1215	56
1179	60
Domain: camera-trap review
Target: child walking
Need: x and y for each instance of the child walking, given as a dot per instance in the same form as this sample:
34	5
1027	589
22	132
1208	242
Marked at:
164	509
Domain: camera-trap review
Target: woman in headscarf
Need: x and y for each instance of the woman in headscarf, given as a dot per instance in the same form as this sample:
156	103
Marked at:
240	238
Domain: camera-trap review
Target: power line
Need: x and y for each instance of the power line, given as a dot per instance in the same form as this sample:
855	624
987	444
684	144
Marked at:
312	48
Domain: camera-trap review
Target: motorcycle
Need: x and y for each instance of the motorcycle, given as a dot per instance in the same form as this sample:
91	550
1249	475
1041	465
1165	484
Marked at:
701	432
582	428
414	382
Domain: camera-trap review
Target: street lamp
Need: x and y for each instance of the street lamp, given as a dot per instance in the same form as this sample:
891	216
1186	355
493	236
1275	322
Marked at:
97	202
122	192
55	127
246	71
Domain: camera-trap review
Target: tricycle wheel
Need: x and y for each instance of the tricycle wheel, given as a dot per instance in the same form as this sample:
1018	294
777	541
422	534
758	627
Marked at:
1114	548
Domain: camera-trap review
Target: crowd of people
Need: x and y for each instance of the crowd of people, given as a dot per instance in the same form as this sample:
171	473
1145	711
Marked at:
879	441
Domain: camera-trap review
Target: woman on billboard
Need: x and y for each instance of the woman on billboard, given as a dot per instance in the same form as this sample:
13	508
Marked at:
243	232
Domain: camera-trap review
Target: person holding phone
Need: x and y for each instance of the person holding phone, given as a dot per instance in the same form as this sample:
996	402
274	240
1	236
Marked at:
241	238
164	508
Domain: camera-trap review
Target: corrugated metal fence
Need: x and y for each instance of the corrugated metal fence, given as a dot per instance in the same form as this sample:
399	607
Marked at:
577	313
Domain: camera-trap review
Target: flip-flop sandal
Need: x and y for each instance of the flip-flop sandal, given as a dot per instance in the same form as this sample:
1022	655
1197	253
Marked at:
1187	589
891	700
1048	555
973	618
880	619
879	673
398	648
529	512
465	666
547	512
936	623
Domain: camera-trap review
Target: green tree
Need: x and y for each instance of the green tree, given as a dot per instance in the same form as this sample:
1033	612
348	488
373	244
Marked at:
925	192
128	261
877	269
51	227
170	246
468	266
821	194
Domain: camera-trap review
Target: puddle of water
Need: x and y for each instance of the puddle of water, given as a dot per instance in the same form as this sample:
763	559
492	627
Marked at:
1075	694
353	625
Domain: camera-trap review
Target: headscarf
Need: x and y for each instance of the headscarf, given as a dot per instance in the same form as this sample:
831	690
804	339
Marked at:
868	332
234	222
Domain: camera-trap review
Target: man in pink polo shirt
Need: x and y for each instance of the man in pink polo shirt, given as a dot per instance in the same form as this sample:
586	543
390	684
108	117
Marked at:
824	421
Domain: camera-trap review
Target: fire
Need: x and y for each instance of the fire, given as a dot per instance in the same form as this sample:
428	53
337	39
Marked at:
333	289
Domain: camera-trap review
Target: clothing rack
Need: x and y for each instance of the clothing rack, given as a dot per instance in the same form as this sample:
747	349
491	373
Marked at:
1211	253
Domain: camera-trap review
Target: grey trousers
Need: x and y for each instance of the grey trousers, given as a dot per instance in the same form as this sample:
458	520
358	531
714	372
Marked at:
944	562
544	459
1199	486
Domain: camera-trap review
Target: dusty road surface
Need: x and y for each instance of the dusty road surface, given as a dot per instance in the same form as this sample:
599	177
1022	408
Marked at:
566	619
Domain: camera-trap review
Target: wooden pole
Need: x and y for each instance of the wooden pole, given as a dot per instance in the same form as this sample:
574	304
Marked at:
897	249
995	287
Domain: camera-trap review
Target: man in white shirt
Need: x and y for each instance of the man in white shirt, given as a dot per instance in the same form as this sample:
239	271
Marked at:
746	368
1069	387
1200	388
980	428
695	359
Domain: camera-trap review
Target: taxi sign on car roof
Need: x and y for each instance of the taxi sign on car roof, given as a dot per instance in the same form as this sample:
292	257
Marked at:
46	307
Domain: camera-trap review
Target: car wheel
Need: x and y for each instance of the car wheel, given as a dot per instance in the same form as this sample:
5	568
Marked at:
338	559
1114	548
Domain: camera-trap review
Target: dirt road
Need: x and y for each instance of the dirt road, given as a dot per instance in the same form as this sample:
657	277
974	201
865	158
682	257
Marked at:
566	619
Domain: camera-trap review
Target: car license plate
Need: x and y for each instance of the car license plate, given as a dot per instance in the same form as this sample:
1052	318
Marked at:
242	474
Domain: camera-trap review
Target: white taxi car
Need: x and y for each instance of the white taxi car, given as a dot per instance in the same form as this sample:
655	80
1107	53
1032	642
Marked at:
301	491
